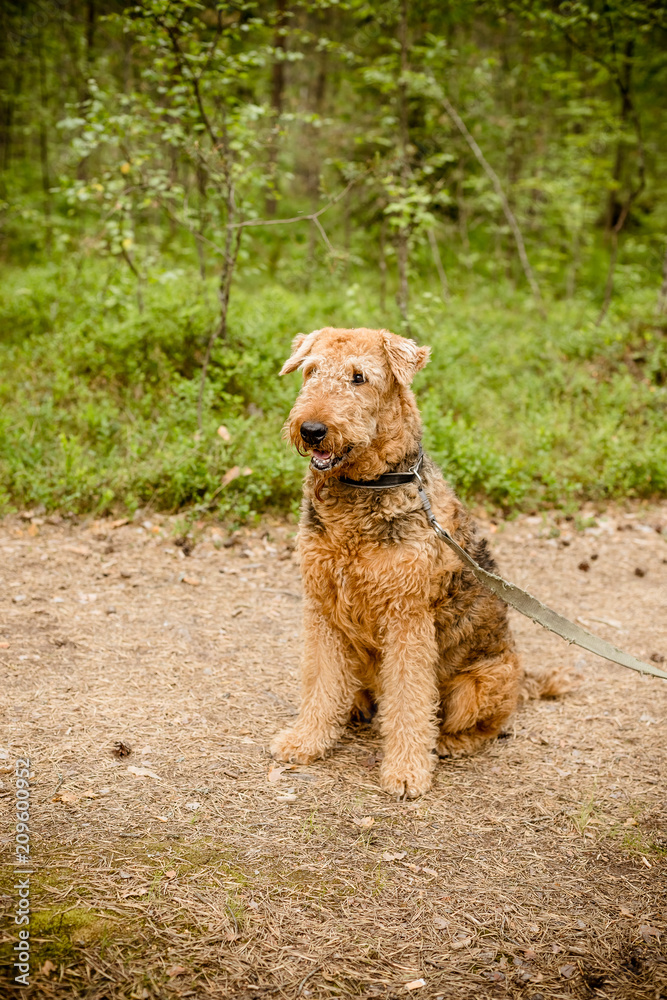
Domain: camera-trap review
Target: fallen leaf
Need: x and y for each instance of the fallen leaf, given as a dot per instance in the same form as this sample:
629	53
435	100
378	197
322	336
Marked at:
416	984
121	749
4	645
441	923
625	912
275	773
192	806
224	433
463	943
69	798
365	822
567	971
529	954
33	530
246	471
48	968
430	871
177	970
640	571
648	932
191	581
142	772
388	856
170	874
119	522
230	475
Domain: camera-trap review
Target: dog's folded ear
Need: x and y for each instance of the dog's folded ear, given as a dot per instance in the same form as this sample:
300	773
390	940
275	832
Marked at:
301	346
405	357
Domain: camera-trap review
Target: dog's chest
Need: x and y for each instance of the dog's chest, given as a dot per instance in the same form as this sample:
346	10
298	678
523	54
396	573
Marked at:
359	584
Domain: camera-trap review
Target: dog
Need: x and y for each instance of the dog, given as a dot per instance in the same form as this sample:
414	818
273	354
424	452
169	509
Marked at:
392	618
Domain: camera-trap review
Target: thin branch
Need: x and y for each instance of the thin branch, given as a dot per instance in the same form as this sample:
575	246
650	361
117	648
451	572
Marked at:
495	180
662	297
310	217
435	250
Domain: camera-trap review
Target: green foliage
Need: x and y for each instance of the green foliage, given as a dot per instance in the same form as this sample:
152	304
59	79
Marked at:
138	144
99	401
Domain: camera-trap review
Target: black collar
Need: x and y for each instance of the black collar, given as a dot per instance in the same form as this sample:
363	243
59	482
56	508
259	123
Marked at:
389	479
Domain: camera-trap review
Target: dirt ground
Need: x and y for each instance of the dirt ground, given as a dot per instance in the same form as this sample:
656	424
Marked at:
195	866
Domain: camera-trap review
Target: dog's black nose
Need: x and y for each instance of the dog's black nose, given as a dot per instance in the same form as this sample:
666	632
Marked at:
313	433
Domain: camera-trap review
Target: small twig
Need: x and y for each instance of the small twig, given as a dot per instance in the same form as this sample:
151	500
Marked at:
310	217
435	250
318	968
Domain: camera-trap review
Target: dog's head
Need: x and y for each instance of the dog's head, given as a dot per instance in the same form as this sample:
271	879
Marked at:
355	409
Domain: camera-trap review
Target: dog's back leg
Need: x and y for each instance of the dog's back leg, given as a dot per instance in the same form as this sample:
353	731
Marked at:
476	703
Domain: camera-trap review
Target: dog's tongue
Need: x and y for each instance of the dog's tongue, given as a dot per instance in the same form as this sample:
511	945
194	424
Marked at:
322	456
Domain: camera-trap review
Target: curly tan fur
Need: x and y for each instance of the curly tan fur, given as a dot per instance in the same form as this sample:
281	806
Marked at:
391	617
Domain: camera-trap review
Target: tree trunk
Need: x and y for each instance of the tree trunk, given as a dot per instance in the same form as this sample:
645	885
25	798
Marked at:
624	82
44	143
383	266
277	93
402	240
437	260
662	297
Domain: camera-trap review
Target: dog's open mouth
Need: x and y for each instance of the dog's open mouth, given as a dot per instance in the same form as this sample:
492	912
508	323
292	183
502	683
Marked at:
325	460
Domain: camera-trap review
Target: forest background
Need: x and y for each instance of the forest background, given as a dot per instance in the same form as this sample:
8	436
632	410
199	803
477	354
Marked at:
185	186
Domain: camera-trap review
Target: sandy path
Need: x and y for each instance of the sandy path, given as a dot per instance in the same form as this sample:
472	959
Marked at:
535	870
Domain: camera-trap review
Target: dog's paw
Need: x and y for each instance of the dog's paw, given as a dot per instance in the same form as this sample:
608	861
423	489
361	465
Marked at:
455	745
295	747
406	780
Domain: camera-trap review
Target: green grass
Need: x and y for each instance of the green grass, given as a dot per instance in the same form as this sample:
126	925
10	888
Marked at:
98	401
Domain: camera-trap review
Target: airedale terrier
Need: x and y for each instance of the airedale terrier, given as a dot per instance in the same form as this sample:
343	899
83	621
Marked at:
392	618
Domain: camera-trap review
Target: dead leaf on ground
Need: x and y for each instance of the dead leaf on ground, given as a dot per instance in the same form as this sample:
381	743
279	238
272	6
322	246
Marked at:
48	968
648	932
365	822
119	522
275	772
121	749
191	581
176	970
4	645
415	984
230	475
224	433
397	856
567	971
68	798
142	772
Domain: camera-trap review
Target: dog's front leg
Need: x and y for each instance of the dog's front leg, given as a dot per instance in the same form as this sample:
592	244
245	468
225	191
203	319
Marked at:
328	686
408	704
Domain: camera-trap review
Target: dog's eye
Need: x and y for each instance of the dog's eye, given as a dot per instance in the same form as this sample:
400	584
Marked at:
358	378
